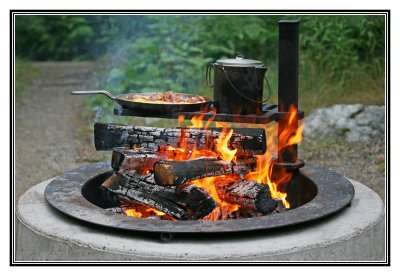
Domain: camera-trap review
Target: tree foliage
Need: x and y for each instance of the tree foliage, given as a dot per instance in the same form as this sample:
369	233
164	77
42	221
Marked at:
148	53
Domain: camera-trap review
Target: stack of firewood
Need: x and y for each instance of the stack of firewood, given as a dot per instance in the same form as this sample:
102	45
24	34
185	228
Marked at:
145	175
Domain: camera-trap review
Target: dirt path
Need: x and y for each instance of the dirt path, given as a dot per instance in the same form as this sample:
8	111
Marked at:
361	161
48	121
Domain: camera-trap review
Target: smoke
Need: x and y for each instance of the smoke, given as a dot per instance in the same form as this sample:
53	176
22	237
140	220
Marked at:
151	53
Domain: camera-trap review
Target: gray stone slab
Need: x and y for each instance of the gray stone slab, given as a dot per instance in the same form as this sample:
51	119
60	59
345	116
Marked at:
355	234
355	122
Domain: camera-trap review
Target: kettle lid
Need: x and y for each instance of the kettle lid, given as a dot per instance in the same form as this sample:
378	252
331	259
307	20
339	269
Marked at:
239	61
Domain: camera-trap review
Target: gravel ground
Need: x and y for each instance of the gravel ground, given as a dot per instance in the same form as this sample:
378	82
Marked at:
363	162
51	135
49	123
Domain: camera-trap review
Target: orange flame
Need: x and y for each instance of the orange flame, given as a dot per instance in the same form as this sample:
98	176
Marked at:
263	175
292	134
224	152
209	183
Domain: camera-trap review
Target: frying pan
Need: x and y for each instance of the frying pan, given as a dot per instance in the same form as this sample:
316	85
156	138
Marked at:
125	100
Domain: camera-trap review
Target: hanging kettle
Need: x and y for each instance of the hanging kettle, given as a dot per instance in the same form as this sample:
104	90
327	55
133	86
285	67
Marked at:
238	85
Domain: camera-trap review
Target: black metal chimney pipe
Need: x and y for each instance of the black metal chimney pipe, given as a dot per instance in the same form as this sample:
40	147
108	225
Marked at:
288	79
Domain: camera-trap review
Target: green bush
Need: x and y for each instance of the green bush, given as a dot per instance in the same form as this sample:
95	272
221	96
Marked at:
70	37
52	37
343	45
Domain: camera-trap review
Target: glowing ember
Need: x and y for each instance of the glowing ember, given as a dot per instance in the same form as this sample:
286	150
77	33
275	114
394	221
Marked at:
143	212
133	213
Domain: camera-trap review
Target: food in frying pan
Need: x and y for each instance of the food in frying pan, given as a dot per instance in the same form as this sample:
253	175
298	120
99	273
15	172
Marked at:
167	97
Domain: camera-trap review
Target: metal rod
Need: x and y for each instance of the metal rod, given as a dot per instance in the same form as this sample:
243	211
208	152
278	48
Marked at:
288	79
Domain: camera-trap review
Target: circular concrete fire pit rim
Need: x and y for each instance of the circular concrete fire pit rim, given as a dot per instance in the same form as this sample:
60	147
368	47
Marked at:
64	193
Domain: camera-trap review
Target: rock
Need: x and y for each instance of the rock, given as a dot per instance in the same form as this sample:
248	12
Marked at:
355	122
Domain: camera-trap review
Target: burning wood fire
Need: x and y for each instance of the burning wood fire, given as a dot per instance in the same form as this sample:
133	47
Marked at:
291	135
212	177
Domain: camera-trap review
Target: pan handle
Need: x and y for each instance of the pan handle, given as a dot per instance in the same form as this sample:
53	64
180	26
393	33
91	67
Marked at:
104	92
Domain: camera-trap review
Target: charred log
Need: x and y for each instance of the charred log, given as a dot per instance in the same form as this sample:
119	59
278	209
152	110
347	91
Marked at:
247	141
140	159
176	173
249	194
189	202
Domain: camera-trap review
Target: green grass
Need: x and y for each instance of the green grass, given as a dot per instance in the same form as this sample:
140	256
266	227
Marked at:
380	163
24	71
318	89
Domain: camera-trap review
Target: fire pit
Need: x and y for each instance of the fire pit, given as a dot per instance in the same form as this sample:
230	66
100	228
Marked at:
321	193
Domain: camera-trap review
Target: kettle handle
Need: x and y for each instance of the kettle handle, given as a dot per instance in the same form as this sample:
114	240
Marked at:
240	93
208	75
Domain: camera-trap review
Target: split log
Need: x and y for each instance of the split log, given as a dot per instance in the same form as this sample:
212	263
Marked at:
140	159
176	173
189	202
109	181
247	141
249	194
